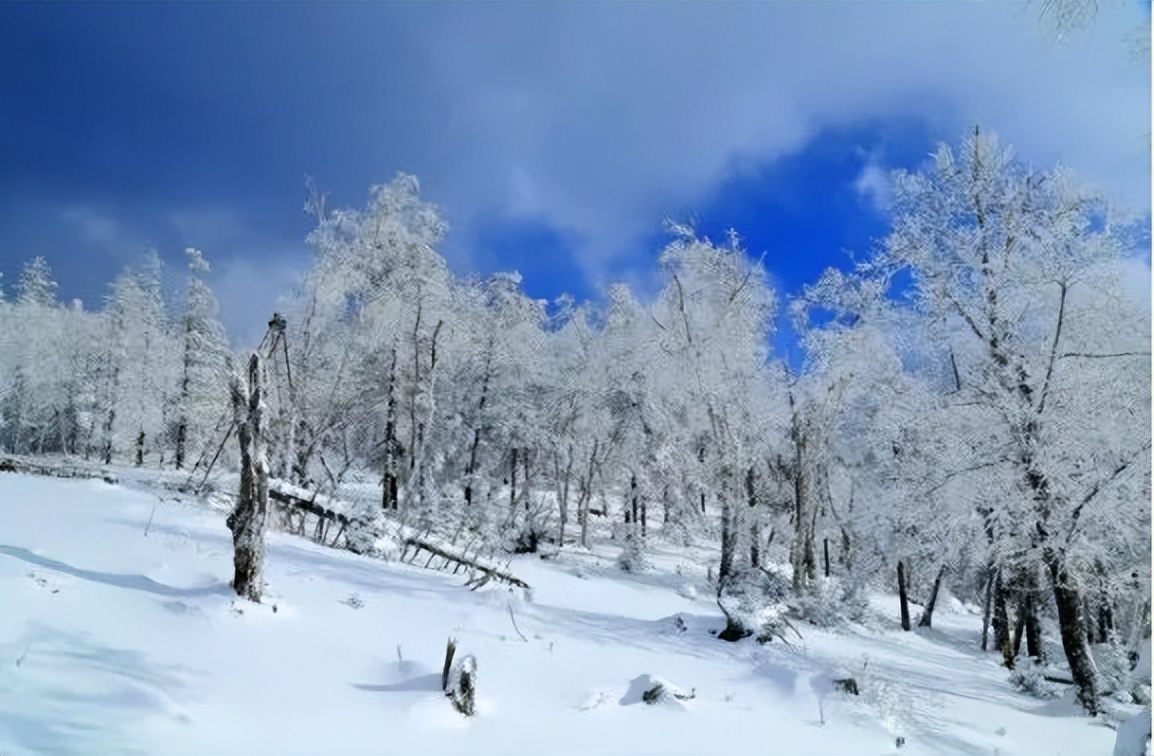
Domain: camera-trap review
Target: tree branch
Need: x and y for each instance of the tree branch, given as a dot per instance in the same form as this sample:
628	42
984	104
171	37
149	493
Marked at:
1101	484
1053	348
951	475
1089	356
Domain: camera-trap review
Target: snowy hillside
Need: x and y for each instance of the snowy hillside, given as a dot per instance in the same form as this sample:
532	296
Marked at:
119	634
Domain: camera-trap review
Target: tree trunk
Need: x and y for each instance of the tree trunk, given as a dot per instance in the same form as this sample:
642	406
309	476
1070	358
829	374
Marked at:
986	611
928	615
140	448
110	418
389	477
632	498
802	556
1019	630
728	541
181	440
247	522
564	501
1073	631
587	494
302	443
810	546
419	453
583	517
106	454
1034	647
1088	618
755	525
525	486
1002	640
825	546
1105	619
513	484
903	599
471	470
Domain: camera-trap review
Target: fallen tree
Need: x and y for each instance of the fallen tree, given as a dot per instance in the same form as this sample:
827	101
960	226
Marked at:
295	498
462	560
62	469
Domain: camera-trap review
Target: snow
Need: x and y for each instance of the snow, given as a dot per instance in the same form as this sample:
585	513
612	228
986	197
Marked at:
119	633
1134	735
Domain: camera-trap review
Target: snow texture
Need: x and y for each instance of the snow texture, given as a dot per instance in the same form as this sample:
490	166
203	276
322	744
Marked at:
119	634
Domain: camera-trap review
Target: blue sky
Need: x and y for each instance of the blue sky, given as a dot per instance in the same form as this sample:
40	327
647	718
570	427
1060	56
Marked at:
556	137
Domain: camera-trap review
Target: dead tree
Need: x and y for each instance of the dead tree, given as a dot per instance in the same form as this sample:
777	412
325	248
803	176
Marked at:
247	522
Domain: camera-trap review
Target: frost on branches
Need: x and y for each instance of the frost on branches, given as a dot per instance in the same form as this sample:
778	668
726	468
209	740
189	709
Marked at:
974	405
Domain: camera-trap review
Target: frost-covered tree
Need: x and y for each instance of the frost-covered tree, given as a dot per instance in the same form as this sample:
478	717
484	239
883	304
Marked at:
204	351
139	374
36	285
46	366
580	418
1015	271
713	315
363	333
879	438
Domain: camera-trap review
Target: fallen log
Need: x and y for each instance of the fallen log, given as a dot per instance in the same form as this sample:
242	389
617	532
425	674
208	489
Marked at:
277	492
487	572
62	470
308	506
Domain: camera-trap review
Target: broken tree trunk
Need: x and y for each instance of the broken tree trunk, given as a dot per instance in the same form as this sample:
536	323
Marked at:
247	522
450	651
461	687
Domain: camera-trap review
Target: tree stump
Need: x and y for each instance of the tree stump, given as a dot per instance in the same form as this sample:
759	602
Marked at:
461	688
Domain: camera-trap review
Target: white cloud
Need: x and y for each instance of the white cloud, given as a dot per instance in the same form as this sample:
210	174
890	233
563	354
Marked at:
206	225
873	183
620	111
104	231
1135	275
600	118
249	292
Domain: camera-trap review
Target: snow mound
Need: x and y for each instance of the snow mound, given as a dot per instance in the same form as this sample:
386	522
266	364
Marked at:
655	690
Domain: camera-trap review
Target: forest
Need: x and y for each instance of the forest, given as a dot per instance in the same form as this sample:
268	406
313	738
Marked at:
973	412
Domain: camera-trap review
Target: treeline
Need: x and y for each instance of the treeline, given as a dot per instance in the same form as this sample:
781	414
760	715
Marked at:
129	382
975	404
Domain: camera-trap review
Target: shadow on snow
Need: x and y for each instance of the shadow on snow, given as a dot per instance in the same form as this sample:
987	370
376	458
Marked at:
132	582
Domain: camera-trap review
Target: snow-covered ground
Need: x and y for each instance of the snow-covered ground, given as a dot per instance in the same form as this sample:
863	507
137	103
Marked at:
119	634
